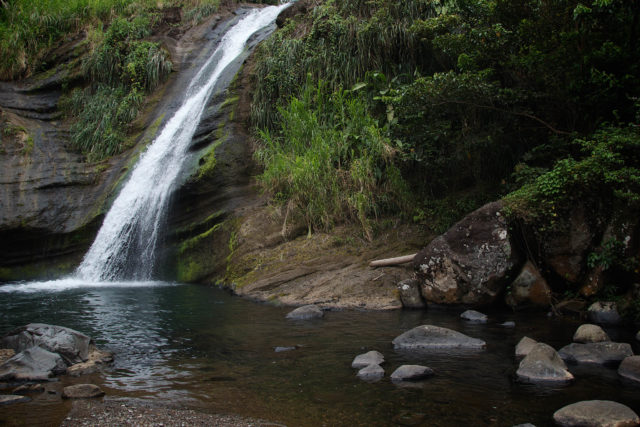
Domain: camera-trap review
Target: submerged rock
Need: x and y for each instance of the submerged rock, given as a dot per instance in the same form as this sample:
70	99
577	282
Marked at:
410	296
72	345
474	316
604	313
8	399
434	338
411	373
82	391
305	312
596	413
371	373
590	333
32	364
599	353
525	346
543	365
370	358
471	263
630	369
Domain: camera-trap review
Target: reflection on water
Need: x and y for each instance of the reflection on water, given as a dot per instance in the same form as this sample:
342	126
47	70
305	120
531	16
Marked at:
199	347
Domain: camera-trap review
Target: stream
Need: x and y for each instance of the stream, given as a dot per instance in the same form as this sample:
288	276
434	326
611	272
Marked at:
201	348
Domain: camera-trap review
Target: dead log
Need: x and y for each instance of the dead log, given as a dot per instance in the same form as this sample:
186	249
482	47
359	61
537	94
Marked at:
392	261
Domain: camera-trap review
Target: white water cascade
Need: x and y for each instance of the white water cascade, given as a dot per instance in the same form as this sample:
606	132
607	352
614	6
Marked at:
124	248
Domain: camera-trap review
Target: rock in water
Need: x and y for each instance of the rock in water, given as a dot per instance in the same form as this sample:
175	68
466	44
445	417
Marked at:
525	346
82	391
590	333
474	316
471	263
605	313
630	369
411	373
371	373
32	364
599	353
596	413
434	338
410	296
370	358
8	399
72	345
305	312
543	366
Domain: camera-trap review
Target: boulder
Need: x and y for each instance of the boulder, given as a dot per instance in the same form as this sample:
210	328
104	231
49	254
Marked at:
411	373
529	288
599	353
543	365
525	346
630	369
410	295
32	364
371	373
474	316
72	345
8	399
370	358
590	333
471	263
596	413
605	313
82	391
431	337
305	312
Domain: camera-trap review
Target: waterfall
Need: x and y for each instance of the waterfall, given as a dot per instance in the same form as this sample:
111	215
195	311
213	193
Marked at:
124	248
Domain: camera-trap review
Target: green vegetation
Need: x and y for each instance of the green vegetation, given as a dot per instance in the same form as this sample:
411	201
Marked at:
480	98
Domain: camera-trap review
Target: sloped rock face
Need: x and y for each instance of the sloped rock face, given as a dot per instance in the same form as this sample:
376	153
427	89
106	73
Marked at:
471	263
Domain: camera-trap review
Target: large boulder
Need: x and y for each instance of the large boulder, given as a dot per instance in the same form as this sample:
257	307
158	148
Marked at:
543	366
370	358
529	288
599	353
471	263
590	333
596	413
604	312
429	337
72	345
32	364
630	369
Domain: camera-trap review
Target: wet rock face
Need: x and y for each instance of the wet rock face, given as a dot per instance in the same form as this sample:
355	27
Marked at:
596	413
471	263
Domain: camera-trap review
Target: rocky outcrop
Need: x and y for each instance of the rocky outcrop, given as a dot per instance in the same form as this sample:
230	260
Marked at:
529	289
471	263
370	358
429	337
590	333
82	391
411	373
72	345
599	353
32	364
306	312
543	365
597	413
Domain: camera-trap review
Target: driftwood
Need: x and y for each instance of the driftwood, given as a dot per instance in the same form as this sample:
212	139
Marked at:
392	261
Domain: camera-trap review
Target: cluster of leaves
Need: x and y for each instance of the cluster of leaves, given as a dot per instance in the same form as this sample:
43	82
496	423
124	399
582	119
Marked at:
330	161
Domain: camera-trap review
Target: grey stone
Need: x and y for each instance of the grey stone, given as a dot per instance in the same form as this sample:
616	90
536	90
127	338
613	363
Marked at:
590	333
411	373
508	324
72	345
8	399
434	337
525	345
599	353
305	312
471	263
543	365
370	358
630	369
32	364
410	296
82	391
604	312
371	373
474	316
596	413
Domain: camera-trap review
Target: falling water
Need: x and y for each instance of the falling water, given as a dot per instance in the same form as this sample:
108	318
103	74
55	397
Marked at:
125	245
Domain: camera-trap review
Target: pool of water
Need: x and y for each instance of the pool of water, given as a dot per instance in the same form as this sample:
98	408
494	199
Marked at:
198	347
